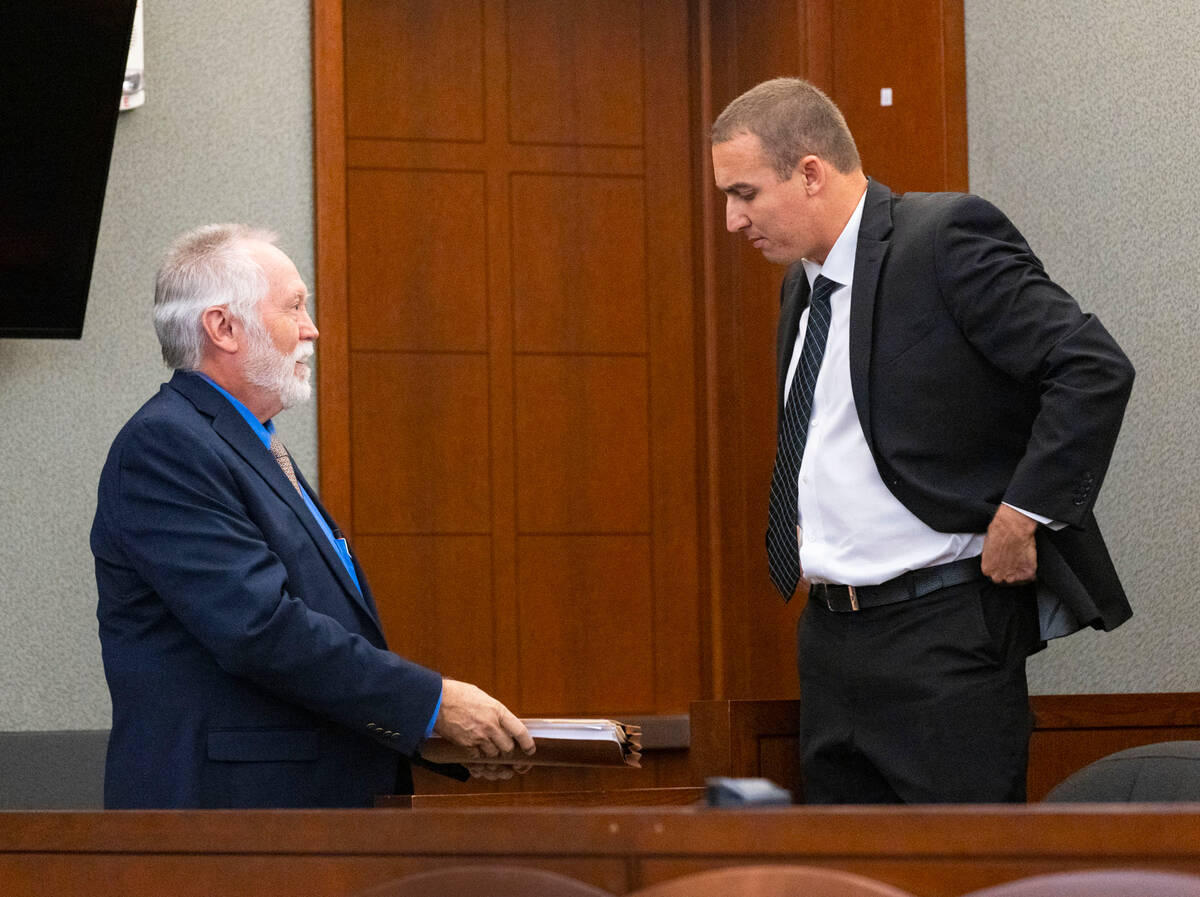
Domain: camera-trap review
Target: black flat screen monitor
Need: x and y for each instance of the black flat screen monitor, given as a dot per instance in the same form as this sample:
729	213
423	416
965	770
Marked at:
61	67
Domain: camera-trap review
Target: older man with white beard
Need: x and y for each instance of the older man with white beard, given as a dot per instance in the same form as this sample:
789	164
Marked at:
242	647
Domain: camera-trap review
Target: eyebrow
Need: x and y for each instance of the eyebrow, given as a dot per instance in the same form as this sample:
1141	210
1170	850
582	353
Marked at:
740	185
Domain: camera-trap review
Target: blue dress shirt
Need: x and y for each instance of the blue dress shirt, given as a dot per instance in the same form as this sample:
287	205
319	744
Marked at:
264	433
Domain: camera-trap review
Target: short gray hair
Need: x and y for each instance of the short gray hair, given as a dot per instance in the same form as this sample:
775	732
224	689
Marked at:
210	265
792	118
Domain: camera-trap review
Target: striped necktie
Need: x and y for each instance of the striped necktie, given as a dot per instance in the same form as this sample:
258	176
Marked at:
783	548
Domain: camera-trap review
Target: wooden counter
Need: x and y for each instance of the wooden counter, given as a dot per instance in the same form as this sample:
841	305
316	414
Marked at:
932	852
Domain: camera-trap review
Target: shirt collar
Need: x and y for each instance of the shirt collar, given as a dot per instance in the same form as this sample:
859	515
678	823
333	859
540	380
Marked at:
839	264
261	430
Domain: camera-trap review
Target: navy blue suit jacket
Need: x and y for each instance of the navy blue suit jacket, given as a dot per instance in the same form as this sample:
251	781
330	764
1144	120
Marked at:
245	668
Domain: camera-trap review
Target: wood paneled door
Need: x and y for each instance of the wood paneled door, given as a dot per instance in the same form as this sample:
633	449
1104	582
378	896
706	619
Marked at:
546	373
508	373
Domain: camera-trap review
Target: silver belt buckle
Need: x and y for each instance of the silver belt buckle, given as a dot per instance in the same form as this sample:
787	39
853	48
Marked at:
853	597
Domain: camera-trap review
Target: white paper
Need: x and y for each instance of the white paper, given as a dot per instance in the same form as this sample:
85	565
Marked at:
133	91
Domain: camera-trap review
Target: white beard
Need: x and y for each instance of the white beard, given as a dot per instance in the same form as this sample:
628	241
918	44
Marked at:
268	368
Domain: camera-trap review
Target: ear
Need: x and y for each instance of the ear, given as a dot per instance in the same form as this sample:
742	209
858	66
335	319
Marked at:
812	169
221	328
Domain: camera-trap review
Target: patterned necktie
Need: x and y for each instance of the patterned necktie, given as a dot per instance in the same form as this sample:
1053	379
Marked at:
285	463
783	549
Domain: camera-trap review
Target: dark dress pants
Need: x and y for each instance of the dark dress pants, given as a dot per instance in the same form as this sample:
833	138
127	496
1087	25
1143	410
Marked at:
924	701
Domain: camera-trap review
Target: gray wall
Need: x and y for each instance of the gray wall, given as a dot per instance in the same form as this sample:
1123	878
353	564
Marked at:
225	134
1082	123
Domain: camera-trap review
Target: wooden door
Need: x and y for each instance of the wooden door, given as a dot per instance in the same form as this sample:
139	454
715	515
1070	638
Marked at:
507	362
898	73
546	383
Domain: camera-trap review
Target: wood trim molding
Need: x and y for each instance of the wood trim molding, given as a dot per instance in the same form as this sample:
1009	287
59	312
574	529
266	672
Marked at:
329	178
955	106
932	851
1116	711
817	16
663	731
707	379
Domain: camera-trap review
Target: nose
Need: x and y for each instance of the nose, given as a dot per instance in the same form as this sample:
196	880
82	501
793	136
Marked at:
308	330
735	218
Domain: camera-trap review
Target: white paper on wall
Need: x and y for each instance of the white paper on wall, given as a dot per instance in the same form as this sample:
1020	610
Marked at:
133	92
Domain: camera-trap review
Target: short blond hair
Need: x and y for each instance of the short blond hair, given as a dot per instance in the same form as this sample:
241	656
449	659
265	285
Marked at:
793	119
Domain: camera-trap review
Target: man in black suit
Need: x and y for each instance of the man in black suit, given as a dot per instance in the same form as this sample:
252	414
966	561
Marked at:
947	415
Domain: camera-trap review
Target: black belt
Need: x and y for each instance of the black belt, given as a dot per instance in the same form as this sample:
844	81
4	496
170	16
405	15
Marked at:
914	584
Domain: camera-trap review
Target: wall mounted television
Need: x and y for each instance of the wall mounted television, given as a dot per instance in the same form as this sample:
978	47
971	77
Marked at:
62	63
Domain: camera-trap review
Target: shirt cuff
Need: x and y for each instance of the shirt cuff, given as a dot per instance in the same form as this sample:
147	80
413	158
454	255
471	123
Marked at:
437	708
1055	525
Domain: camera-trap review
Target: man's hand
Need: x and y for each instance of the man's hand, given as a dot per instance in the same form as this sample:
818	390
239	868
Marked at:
474	719
1009	549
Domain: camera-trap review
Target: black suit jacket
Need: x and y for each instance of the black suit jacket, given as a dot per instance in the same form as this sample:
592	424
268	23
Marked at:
978	380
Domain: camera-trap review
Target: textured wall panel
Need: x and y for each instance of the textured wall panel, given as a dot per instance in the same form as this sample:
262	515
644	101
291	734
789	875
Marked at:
1082	127
575	71
593	601
225	135
418	277
579	264
420	463
427	589
583	445
414	69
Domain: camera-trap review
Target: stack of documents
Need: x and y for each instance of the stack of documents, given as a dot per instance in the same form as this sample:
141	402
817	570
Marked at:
560	742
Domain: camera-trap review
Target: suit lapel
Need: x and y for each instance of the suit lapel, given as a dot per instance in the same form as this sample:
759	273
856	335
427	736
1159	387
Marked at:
363	596
229	425
874	235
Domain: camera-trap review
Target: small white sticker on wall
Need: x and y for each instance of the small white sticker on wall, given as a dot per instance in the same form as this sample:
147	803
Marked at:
885	96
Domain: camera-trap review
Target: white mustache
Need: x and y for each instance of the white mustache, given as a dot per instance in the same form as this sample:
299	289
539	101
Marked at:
303	351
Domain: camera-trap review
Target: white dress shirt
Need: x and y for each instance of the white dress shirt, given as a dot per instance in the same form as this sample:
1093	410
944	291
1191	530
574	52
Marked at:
852	529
